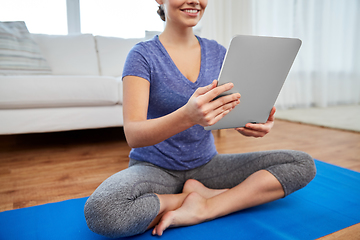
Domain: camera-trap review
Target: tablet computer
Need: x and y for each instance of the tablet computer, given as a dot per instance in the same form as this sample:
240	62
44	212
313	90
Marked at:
258	67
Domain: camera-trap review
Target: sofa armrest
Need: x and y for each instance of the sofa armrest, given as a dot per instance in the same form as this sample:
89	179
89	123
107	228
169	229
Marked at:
120	89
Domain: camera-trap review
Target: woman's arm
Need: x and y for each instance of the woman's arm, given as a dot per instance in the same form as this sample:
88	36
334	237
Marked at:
141	132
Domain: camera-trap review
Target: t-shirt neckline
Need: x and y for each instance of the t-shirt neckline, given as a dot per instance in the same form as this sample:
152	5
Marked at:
202	63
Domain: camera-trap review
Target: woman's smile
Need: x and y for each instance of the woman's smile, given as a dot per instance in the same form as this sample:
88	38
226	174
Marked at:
191	12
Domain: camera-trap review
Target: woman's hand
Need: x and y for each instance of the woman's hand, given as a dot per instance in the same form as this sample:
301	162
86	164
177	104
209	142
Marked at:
258	130
200	108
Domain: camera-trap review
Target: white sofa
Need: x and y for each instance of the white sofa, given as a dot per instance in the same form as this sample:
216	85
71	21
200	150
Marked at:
83	91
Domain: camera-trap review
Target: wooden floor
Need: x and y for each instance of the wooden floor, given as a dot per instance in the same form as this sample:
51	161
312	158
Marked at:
49	167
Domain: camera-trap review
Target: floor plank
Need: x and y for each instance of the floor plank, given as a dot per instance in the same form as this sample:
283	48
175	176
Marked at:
349	233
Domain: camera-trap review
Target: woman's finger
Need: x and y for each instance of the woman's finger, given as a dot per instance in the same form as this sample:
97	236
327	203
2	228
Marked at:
272	114
265	128
250	133
202	90
209	96
215	115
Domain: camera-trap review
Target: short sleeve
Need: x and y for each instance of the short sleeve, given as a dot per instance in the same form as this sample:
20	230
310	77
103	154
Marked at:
137	63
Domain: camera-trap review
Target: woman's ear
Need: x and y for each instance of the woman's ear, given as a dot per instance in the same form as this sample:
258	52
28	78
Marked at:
160	2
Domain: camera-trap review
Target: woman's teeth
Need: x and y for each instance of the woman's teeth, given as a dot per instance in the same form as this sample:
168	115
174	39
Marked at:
191	11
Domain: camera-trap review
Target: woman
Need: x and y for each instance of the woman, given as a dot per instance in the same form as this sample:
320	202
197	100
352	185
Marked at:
175	176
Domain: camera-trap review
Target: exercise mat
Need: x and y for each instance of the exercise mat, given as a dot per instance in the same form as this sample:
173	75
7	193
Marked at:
329	203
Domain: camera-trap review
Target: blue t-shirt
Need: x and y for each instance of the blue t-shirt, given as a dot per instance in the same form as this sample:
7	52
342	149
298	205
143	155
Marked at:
170	90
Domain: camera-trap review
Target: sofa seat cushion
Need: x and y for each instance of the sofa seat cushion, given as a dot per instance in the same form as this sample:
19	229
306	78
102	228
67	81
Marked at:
57	91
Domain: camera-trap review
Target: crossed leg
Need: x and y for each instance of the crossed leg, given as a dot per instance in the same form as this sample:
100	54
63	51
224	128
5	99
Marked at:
201	204
198	204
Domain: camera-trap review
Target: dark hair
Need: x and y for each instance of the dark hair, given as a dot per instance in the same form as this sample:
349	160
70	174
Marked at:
161	13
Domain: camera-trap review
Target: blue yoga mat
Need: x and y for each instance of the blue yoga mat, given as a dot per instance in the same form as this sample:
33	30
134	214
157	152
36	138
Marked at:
329	203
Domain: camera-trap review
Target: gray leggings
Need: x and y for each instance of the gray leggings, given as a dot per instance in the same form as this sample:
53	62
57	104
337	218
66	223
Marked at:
125	203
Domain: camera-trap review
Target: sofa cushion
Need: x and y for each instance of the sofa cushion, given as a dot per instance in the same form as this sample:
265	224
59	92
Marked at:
69	54
57	91
112	53
19	54
14	121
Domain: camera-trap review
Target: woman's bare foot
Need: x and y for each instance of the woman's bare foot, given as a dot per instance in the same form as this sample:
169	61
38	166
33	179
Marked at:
193	185
192	211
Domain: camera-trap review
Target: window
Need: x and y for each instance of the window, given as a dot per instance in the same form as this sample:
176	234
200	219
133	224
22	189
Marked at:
40	16
119	18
